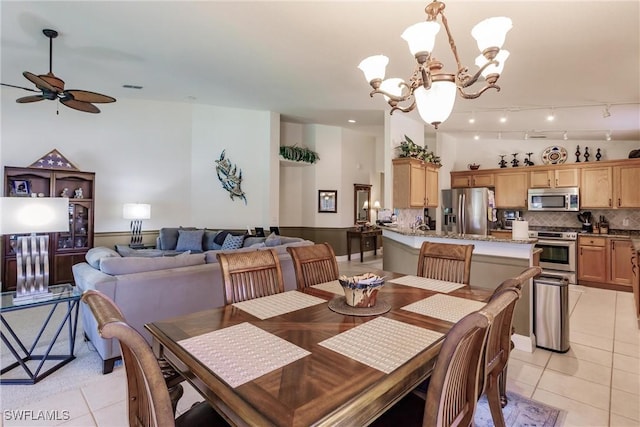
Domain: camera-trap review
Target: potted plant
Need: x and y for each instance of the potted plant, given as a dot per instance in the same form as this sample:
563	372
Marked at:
298	154
408	148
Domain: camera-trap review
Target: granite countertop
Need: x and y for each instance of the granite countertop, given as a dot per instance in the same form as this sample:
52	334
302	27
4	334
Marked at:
446	235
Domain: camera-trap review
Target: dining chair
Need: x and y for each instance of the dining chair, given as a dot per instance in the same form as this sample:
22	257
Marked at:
314	264
515	282
452	395
148	402
500	307
445	261
249	275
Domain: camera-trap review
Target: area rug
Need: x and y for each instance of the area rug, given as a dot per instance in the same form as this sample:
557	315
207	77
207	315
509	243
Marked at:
519	412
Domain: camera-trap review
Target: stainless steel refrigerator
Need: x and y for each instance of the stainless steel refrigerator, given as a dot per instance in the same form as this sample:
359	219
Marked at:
468	210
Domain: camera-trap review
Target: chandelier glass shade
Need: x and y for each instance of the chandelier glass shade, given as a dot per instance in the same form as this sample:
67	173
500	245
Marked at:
429	88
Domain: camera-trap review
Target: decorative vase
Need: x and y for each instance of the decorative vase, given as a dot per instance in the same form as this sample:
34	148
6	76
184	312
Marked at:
598	155
515	161
586	154
577	154
503	162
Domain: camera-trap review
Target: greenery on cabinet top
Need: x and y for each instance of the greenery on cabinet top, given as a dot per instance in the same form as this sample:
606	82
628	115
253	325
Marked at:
408	148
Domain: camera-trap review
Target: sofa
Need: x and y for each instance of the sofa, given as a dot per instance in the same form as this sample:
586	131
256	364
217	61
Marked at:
152	286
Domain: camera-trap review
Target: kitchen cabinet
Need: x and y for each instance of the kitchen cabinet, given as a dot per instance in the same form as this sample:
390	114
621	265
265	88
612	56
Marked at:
620	261
65	249
554	178
502	234
415	184
626	185
635	281
511	189
472	179
596	187
592	259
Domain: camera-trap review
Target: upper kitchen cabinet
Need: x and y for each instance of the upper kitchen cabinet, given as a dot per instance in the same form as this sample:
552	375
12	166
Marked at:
415	183
468	179
511	189
555	178
596	186
626	185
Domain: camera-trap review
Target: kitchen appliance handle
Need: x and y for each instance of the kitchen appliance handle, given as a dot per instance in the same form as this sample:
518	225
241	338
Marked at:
460	210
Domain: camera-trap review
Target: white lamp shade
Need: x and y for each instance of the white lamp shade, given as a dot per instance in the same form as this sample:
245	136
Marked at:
435	105
376	205
392	86
19	215
491	32
136	211
421	36
501	57
374	67
365	205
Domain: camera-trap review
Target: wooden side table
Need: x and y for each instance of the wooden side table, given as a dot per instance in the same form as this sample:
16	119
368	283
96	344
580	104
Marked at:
362	236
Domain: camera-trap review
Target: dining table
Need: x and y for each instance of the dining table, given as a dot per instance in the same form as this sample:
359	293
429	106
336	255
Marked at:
306	358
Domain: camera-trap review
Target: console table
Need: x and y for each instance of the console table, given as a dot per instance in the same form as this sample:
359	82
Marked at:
362	236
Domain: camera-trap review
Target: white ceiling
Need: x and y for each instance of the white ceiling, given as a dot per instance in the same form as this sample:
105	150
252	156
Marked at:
299	58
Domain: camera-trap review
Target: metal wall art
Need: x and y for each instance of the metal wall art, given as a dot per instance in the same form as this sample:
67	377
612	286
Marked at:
230	177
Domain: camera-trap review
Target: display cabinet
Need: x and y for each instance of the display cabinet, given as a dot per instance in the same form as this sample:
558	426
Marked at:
65	249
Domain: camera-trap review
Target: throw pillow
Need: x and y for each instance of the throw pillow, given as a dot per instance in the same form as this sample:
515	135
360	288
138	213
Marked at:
168	237
209	240
190	240
232	242
95	255
273	240
219	239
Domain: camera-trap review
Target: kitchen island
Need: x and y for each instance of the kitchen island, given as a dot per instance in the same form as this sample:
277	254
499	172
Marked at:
494	260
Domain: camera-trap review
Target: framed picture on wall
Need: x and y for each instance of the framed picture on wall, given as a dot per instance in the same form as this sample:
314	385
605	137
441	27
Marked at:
328	201
21	188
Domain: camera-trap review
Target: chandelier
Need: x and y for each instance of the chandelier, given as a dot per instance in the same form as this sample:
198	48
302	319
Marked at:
429	88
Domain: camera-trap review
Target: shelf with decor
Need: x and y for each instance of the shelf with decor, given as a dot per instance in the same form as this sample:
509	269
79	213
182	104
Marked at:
65	249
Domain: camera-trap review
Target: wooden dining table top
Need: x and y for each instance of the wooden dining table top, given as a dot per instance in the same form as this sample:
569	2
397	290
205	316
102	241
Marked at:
322	388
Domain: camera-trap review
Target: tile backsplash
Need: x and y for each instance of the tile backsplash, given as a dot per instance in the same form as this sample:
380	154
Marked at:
619	219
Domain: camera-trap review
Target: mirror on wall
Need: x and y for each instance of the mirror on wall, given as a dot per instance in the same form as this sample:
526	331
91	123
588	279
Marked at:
362	202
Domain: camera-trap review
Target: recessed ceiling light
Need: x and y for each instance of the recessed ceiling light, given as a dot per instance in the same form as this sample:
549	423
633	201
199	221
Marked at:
476	137
551	117
132	87
351	121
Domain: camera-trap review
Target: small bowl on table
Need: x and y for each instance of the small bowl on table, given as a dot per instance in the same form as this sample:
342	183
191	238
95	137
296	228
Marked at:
361	291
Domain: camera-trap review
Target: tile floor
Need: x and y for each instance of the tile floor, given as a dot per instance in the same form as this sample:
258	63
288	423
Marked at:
597	382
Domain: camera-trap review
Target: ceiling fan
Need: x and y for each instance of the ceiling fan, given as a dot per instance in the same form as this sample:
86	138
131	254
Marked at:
51	87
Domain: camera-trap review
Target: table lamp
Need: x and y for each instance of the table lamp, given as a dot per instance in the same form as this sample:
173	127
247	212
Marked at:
21	215
136	212
377	207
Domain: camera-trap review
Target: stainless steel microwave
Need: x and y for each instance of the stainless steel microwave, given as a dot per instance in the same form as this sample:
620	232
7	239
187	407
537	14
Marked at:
553	199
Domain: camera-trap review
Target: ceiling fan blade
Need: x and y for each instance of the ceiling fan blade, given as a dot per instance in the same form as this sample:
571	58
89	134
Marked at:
79	105
40	84
87	96
19	87
30	98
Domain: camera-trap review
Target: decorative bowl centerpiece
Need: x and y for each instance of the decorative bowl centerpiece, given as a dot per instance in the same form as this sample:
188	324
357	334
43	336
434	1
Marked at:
473	166
362	290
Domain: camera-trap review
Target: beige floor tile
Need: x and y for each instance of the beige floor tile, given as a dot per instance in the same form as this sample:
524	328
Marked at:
627	331
84	421
577	413
107	390
620	421
520	388
57	406
112	416
539	357
626	363
590	354
580	369
589	340
626	381
625	404
590	324
575	388
628	349
524	372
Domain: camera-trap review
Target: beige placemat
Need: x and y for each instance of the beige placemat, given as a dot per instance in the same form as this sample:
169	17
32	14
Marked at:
334	287
428	284
242	353
445	307
275	305
383	344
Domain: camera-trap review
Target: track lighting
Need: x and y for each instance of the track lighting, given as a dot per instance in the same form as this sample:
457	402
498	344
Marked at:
552	116
503	118
608	136
526	136
476	137
564	135
606	113
472	119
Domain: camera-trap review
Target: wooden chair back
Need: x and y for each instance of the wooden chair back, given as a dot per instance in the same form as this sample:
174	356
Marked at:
149	404
314	264
444	261
452	395
249	275
519	280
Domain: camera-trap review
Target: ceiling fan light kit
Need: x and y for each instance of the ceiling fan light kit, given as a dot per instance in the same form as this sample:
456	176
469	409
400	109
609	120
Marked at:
52	87
429	88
